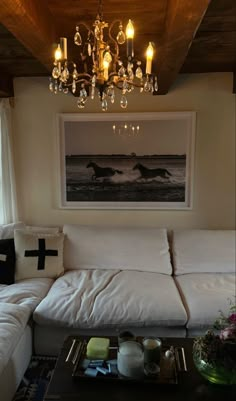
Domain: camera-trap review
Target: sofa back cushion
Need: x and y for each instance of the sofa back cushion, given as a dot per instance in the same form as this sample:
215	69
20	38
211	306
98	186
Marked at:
203	251
91	247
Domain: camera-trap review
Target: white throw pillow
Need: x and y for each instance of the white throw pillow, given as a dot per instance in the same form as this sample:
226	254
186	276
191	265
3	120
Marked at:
38	254
112	248
204	251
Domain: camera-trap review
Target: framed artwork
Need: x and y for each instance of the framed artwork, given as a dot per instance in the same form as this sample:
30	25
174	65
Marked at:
131	160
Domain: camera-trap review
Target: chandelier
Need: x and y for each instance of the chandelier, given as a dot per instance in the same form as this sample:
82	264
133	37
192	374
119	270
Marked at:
126	129
100	68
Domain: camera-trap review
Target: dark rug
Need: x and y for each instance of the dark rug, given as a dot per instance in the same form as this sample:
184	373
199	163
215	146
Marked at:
35	381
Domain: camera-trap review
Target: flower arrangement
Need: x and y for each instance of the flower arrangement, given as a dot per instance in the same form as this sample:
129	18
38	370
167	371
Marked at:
214	353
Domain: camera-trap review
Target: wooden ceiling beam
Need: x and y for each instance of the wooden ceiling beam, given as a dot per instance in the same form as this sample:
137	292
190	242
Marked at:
183	18
6	85
32	24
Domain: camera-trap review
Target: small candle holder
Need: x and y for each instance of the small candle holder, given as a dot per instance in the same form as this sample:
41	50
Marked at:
152	349
130	360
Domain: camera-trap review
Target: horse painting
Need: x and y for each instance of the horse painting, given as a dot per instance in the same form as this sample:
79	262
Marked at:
147	173
102	171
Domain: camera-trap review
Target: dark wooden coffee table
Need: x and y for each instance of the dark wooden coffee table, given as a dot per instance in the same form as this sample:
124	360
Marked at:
191	386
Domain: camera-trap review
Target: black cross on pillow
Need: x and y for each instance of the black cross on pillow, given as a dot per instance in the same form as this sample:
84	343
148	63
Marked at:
42	252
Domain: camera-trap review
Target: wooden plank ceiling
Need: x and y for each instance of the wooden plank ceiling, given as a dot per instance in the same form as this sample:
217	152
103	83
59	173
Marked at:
190	36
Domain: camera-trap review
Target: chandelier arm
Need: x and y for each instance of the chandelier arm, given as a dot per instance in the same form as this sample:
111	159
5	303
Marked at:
82	81
86	77
116	84
121	80
86	26
112	39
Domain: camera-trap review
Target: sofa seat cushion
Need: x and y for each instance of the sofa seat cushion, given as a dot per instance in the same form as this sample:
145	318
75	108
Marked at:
28	292
204	251
204	294
111	298
112	248
13	320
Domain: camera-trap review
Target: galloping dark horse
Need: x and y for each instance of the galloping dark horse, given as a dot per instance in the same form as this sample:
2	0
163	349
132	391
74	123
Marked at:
147	173
102	171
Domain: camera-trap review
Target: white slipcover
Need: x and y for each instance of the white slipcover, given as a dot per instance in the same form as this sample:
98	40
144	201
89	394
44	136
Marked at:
204	295
143	249
13	320
28	292
111	298
206	251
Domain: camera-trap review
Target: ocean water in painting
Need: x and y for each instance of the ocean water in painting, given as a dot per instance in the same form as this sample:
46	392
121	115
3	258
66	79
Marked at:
125	178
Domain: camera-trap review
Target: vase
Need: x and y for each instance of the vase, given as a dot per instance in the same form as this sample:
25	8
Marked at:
217	374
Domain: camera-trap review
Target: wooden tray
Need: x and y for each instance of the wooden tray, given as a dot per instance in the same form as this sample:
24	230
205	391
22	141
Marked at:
166	376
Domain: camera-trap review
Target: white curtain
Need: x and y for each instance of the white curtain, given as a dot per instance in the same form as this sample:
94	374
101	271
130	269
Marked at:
8	202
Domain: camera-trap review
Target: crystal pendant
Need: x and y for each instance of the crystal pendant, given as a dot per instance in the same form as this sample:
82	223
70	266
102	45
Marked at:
156	85
94	80
124	87
141	87
107	57
51	88
110	91
104	105
89	49
60	88
83	93
121	71
92	92
77	37
130	72
113	98
120	36
151	86
55	73
123	102
146	85
139	72
65	91
75	74
129	88
73	86
55	87
65	74
81	103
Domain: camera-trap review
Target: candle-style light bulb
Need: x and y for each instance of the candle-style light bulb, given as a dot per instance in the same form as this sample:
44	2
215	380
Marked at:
130	36
58	53
129	30
149	57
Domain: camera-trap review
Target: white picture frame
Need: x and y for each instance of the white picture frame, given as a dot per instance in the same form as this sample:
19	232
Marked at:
146	160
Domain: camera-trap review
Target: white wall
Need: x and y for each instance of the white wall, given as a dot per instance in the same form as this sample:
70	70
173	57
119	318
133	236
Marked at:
37	164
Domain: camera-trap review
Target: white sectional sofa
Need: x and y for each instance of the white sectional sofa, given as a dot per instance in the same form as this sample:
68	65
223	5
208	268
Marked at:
17	303
102	280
